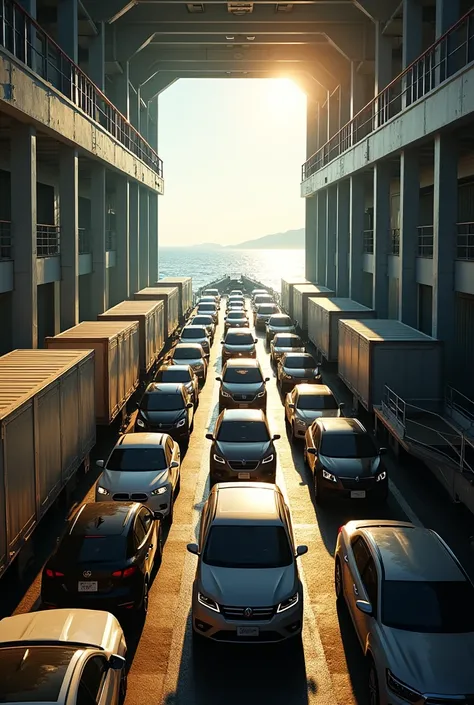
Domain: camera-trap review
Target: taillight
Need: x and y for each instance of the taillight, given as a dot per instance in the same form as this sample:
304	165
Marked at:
125	573
53	573
340	529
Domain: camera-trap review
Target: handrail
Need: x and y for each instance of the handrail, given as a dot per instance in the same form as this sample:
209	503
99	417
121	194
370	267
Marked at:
368	242
425	241
395	241
457	400
83	91
418	83
6	244
465	241
48	240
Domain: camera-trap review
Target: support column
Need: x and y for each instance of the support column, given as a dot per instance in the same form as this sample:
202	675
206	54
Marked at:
323	123
342	230
382	173
153	123
144	249
356	236
311	230
134	237
412	44
68	28
383	72
409	220
447	14
321	238
444	239
23	216
357	91
134	106
153	204
121	290
331	220
29	6
143	122
69	220
333	113
97	58
344	106
119	93
99	297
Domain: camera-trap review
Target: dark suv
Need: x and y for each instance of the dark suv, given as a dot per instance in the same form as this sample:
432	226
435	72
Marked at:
238	342
166	407
242	385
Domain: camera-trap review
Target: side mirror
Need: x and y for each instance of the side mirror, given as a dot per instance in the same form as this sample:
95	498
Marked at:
193	548
267	379
222	342
341	405
100	463
291	405
364	607
209	436
383	451
218	379
276	437
255	340
189	405
158	516
301	550
312	451
174	464
116	662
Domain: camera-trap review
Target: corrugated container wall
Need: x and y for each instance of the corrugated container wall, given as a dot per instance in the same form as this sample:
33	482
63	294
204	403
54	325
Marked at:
375	353
150	318
323	322
169	295
116	345
287	293
47	429
301	294
185	286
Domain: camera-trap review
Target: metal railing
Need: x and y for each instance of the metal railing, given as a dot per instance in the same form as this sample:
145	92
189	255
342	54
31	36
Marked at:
395	241
368	242
6	243
424	246
24	38
450	53
110	240
85	247
48	240
465	241
457	401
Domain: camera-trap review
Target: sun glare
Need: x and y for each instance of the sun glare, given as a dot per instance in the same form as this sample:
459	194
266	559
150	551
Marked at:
283	93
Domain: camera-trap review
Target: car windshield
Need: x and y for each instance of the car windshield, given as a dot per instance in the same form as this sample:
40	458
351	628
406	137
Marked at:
308	363
266	309
433	607
92	549
248	547
173	375
348	445
158	401
202	320
233	315
137	459
239	339
243	432
242	375
186	354
33	674
263	298
207	307
316	402
193	333
282	322
282	342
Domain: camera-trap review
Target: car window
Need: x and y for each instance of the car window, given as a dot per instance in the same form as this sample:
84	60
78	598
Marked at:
138	532
186	353
243	375
348	445
266	309
239	339
171	374
282	342
370	582
281	322
146	519
248	547
361	554
34	673
316	435
298	362
92	548
137	459
91	680
169	449
243	432
236	314
316	402
161	401
193	333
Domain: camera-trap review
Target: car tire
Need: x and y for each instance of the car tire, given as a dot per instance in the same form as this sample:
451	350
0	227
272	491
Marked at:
123	687
318	495
338	580
373	684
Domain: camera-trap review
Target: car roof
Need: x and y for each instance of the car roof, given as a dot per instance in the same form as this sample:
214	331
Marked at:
103	518
181	346
243	362
285	335
249	502
164	388
290	355
177	368
313	390
340	425
194	326
240	331
413	553
243	415
280	315
141	440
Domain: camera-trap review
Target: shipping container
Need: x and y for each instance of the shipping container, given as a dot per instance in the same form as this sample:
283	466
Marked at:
151	327
323	321
185	286
116	345
375	353
169	295
47	430
301	294
287	292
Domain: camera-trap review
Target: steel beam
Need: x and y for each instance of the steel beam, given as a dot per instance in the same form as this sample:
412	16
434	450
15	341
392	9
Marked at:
378	10
108	10
156	85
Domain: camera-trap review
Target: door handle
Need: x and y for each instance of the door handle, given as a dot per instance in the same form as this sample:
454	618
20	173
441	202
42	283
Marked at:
356	592
346	559
150	546
147	556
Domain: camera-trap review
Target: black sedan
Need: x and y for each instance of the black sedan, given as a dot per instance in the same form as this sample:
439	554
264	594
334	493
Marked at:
105	559
242	385
235	319
295	368
242	447
238	343
166	407
180	374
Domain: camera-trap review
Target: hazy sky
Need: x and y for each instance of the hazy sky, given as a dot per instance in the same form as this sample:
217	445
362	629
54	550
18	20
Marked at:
232	152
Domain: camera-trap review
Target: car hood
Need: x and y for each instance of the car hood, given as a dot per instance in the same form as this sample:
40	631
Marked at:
308	415
431	663
239	348
301	373
199	341
157	417
244	587
244	451
191	363
242	388
133	481
351	467
282	329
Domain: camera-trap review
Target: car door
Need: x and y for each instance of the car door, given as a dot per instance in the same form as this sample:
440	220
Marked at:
315	433
149	526
190	412
169	447
361	584
98	684
290	399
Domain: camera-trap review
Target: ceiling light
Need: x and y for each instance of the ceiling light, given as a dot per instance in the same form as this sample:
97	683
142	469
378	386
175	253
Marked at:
284	6
250	39
195	7
240	8
229	37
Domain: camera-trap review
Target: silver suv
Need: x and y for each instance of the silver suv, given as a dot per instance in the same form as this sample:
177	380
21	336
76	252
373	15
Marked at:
247	587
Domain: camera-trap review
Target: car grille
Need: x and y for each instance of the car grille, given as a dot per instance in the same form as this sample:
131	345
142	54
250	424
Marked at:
244	464
350	483
238	613
125	497
231	636
243	397
162	426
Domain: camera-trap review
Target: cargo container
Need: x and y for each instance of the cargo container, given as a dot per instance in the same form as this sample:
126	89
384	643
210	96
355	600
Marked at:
47	429
375	353
116	345
287	292
185	286
323	321
151	326
301	294
170	297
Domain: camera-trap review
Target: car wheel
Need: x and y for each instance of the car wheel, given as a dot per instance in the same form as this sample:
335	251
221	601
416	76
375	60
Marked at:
338	580
123	687
373	684
317	490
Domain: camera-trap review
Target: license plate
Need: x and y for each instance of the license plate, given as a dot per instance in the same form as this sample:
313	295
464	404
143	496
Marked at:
87	586
248	631
358	494
243	406
244	476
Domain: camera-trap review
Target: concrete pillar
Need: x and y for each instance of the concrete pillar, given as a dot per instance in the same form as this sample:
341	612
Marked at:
445	206
382	173
99	298
412	43
357	90
153	204
321	238
144	248
344	106
333	113
153	123
311	229
143	122
323	126
23	216
134	106
409	220
447	14
121	290
68	28
69	219
120	93
342	234
29	6
331	238
383	73
356	235
97	58
134	236
312	127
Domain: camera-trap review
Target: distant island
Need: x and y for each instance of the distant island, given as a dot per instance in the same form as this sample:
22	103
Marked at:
291	240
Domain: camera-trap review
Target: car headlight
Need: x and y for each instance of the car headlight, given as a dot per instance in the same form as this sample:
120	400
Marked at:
159	490
381	476
402	690
329	476
261	394
225	394
218	458
140	423
102	490
207	602
268	459
289	603
300	422
180	423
